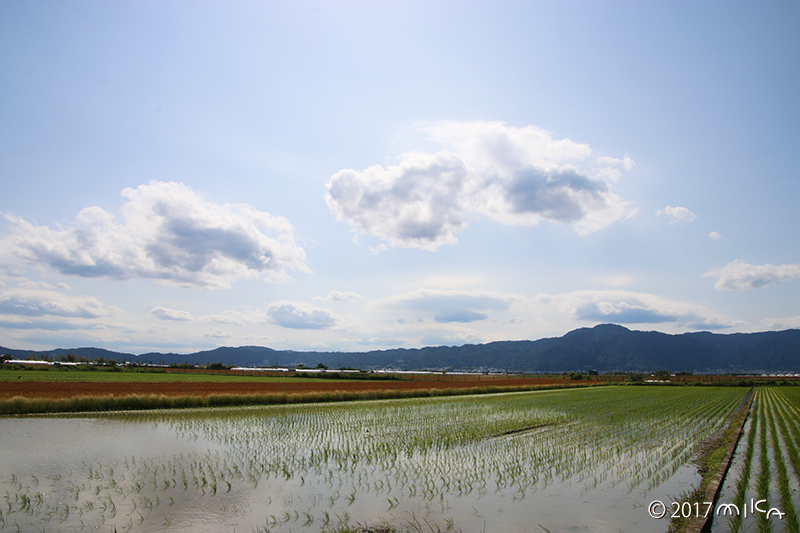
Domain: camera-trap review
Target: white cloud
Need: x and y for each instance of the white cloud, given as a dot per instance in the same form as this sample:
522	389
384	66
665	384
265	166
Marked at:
218	334
741	276
625	307
451	305
340	296
714	235
514	175
234	318
628	163
375	250
777	324
677	214
169	233
300	316
41	303
164	313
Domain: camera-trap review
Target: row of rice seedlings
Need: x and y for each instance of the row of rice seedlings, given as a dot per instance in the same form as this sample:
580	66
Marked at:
788	418
787	506
763	479
743	481
773	432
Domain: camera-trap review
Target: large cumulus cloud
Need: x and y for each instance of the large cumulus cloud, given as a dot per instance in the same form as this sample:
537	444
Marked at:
514	175
169	233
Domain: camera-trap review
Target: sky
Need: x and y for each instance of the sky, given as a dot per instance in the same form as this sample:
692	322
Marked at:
361	175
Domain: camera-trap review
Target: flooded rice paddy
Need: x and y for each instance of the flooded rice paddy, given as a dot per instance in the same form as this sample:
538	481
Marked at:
574	460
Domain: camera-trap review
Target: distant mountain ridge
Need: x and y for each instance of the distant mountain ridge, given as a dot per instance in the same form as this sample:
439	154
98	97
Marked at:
605	348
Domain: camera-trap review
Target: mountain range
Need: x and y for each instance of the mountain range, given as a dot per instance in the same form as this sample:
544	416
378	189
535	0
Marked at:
605	348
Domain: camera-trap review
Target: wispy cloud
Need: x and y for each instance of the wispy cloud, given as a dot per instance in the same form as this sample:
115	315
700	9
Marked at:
741	276
169	233
518	176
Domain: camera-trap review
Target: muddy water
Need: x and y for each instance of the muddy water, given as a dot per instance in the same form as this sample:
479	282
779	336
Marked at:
106	474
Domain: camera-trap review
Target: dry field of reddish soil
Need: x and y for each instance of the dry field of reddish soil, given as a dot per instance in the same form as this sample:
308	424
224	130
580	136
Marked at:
51	389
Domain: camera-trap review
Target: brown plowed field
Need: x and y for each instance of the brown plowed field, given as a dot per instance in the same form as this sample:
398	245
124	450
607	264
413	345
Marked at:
50	389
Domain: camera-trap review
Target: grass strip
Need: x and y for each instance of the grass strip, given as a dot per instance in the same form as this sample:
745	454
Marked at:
713	463
763	480
133	402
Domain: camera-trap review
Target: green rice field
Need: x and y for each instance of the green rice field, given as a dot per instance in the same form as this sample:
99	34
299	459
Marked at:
766	468
560	460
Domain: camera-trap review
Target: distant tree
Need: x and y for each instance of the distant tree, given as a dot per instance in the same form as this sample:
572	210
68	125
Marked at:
575	376
661	374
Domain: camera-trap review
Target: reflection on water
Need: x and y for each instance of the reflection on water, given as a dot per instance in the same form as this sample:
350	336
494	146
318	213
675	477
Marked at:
312	468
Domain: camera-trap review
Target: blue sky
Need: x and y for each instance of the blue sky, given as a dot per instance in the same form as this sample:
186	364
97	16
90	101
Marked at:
176	176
